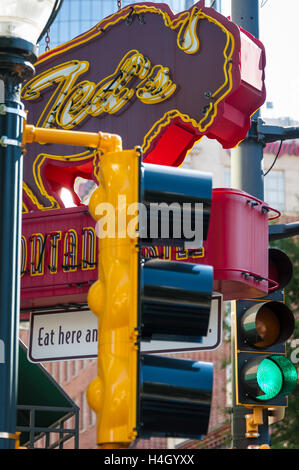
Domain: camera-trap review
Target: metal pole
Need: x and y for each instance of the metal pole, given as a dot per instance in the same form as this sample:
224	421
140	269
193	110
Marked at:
247	175
10	223
14	68
247	158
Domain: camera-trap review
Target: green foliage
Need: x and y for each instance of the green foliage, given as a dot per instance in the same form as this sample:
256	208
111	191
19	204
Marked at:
285	433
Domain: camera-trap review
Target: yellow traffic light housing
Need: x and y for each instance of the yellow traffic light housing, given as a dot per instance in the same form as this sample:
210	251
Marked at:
134	394
113	298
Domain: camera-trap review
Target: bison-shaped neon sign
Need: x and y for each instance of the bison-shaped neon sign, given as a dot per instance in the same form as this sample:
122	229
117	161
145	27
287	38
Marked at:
158	79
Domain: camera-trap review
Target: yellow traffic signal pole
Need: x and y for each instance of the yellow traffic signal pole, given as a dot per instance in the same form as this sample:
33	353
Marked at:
102	141
114	296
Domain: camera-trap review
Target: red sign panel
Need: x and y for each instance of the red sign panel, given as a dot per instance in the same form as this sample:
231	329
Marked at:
60	255
159	80
58	262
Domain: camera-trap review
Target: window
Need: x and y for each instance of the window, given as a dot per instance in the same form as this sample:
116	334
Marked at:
274	189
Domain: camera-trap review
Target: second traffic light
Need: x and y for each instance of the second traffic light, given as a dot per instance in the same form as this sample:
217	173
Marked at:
264	375
139	395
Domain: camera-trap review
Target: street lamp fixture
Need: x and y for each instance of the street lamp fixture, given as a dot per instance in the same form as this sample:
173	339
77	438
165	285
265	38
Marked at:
22	25
27	19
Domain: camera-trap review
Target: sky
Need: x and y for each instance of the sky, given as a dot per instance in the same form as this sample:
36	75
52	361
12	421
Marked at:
279	32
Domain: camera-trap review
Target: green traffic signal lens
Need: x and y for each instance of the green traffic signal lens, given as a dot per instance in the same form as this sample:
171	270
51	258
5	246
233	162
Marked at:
276	375
269	379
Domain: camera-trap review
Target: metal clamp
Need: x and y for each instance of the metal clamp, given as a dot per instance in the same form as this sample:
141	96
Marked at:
15	437
253	421
5	141
7	435
7	109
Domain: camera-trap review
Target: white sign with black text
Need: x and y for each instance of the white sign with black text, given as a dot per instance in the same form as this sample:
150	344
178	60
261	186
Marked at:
63	336
74	335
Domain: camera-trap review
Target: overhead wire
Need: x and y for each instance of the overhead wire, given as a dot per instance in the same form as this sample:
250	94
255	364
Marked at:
276	156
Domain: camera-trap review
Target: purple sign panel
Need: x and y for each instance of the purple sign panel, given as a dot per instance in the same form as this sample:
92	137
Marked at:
159	80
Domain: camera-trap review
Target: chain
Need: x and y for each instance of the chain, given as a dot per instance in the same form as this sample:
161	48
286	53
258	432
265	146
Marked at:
47	40
119	4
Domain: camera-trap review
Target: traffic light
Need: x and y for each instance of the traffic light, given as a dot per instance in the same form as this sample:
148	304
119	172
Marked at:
134	394
264	375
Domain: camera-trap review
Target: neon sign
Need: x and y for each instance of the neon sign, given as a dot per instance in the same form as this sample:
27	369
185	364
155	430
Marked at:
159	80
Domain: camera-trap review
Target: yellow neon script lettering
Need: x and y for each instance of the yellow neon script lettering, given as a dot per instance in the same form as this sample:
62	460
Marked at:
156	87
63	76
187	39
70	103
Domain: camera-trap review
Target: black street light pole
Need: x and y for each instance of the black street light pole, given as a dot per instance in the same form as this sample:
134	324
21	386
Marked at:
17	56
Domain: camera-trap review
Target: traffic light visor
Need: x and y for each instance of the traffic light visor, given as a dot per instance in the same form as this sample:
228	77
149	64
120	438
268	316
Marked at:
280	267
176	300
175	396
